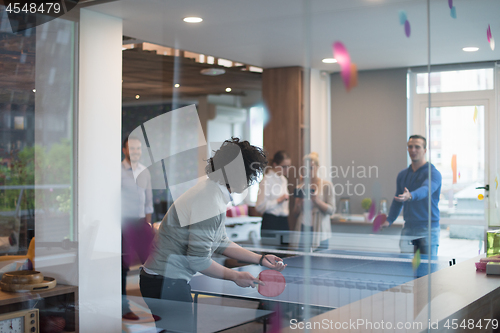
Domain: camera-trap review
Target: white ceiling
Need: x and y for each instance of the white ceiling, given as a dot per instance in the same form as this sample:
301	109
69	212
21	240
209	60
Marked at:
272	33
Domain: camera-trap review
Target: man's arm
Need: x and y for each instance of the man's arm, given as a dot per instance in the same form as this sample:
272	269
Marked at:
423	191
396	206
148	204
242	279
235	251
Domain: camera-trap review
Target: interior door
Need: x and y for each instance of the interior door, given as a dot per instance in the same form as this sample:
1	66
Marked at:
462	145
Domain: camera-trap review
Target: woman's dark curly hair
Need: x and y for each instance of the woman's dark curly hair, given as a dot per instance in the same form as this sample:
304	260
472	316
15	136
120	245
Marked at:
254	159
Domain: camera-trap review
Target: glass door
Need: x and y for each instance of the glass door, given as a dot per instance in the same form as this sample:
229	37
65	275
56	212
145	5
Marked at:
457	146
461	128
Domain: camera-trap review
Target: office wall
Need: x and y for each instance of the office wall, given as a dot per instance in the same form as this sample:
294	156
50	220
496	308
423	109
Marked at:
369	134
321	116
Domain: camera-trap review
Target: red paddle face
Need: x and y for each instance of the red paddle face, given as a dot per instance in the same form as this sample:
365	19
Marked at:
274	281
377	223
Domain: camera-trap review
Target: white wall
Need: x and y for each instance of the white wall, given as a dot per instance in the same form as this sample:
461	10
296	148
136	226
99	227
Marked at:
99	173
369	128
321	118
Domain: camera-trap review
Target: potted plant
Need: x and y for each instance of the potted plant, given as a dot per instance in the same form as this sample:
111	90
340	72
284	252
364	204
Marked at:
369	208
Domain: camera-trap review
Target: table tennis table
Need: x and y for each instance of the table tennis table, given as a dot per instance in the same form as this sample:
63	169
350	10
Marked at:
337	278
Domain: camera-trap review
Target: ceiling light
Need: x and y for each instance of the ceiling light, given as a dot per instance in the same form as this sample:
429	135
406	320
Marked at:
329	60
228	89
177	85
213	71
34	90
192	19
137	96
470	49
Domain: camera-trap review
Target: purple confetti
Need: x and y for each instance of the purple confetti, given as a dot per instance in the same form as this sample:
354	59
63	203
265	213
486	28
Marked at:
450	3
407	28
488	33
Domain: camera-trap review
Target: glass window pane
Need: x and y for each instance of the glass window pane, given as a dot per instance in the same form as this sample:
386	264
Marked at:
453	81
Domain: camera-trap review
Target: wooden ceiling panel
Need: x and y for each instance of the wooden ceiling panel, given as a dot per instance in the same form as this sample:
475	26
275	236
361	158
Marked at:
151	76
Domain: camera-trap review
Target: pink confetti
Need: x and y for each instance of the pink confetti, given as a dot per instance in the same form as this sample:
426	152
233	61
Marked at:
488	33
344	60
371	212
407	28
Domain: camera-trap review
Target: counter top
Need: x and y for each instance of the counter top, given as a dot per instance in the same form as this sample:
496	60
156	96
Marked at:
359	219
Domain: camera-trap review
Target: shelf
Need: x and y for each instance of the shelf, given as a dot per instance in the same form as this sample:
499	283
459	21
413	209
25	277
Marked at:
7	298
61	301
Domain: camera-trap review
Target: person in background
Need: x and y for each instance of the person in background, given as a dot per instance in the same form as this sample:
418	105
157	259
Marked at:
193	230
412	194
322	195
272	200
137	207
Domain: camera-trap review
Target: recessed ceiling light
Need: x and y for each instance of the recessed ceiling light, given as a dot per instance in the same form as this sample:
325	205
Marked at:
470	49
212	71
192	19
137	96
228	89
329	60
34	90
177	85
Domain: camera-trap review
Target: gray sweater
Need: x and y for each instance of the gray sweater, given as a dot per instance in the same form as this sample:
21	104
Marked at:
191	231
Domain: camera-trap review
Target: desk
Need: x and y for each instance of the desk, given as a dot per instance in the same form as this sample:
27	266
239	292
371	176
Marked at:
367	242
338	278
243	228
352	225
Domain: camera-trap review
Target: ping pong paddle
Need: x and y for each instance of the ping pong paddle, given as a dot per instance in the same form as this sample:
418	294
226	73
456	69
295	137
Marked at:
274	282
379	220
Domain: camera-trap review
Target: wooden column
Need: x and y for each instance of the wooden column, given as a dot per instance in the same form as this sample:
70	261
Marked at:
282	93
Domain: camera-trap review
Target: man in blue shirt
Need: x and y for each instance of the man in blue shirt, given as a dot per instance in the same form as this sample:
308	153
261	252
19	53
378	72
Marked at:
412	193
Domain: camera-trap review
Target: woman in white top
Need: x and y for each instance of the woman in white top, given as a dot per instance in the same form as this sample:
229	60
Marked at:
322	195
272	201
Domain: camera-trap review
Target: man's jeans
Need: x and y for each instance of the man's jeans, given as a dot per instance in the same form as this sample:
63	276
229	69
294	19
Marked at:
421	243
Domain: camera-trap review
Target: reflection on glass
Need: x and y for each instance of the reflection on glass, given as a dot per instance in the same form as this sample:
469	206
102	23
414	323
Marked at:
453	81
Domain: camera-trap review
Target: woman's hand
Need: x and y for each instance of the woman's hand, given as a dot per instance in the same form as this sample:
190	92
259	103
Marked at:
322	206
297	207
245	279
284	197
273	262
314	198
